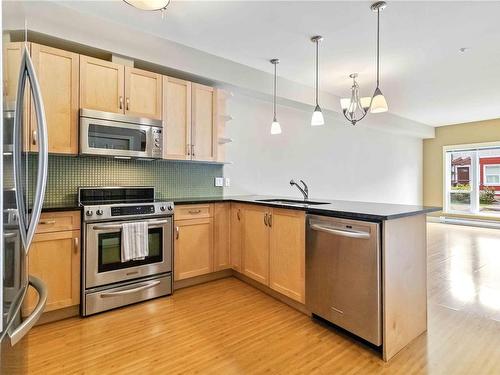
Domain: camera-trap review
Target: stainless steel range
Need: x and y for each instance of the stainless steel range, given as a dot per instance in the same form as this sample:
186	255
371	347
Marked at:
108	281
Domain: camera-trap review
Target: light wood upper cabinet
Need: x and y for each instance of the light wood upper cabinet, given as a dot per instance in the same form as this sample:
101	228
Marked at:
57	71
193	248
143	93
101	85
204	129
236	238
55	258
176	118
12	53
222	218
256	243
287	253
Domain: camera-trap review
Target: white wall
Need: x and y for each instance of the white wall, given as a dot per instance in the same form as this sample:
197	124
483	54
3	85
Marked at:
338	161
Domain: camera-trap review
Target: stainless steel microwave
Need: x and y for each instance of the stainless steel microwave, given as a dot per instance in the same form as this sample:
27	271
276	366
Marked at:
119	136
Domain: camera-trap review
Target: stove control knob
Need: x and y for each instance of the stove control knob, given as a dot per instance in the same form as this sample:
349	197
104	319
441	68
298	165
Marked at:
99	212
170	208
163	208
89	212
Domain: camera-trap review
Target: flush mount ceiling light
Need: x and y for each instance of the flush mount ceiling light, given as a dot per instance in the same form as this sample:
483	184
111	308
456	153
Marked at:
275	126
355	108
317	117
150	5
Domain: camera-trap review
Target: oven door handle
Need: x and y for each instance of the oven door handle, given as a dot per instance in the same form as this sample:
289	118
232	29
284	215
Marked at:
131	290
120	226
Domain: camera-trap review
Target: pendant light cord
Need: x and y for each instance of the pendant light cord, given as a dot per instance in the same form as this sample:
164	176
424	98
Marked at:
275	84
378	47
317	70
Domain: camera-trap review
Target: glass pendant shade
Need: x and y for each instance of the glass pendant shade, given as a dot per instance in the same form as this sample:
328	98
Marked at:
379	104
275	127
317	117
148	4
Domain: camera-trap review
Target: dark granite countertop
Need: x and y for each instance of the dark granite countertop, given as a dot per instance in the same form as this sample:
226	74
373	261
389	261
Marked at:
367	211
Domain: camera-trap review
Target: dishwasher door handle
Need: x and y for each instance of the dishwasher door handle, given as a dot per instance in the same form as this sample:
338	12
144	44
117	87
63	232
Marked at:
340	232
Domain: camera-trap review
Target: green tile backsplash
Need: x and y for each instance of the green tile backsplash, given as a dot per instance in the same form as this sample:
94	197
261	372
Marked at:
172	179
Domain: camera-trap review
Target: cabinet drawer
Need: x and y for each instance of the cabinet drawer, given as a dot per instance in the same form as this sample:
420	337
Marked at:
58	221
193	211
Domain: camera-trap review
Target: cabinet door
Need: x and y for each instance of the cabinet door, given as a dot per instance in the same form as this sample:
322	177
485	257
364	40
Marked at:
235	240
204	131
193	248
176	118
143	93
256	244
101	85
287	253
222	217
58	72
55	258
12	53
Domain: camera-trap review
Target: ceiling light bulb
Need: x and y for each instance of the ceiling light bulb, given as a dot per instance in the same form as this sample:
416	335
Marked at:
345	103
379	104
275	127
317	117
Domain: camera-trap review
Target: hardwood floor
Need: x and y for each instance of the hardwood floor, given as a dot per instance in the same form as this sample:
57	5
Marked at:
228	327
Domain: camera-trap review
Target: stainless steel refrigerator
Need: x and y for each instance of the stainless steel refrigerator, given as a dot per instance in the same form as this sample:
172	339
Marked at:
24	176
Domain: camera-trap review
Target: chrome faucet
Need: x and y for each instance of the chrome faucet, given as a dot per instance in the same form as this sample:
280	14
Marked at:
304	191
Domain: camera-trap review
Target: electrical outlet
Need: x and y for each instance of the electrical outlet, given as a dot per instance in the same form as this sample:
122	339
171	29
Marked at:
219	181
228	182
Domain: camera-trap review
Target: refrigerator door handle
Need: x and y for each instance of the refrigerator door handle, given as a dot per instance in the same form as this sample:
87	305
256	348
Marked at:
20	331
28	223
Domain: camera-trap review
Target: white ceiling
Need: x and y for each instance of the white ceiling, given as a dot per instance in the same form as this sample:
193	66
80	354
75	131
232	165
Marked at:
424	76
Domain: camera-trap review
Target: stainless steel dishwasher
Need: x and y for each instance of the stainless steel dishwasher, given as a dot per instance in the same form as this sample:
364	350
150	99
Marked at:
343	274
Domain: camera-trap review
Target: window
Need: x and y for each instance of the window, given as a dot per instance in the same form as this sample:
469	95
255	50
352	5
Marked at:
492	174
472	180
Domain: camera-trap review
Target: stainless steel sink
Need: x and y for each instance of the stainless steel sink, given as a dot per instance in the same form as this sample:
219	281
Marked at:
291	202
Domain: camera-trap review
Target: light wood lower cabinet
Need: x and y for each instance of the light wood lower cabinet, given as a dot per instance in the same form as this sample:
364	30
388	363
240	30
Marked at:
256	243
55	258
236	236
287	253
193	248
222	217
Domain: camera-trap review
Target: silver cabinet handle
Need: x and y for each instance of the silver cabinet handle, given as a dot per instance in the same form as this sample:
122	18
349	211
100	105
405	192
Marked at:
21	330
33	137
27	224
340	232
270	220
192	150
120	101
238	214
194	212
77	244
265	220
127	103
176	233
131	290
188	148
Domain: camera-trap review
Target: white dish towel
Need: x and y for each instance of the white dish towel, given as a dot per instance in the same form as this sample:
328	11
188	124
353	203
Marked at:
134	241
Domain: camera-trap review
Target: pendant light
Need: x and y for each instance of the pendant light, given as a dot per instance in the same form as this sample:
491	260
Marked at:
317	117
275	126
379	104
355	108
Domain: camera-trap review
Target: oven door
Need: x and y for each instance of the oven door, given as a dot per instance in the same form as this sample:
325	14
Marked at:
103	263
112	138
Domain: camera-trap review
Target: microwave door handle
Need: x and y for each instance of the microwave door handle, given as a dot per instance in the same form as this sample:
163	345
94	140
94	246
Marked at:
20	331
43	150
17	146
